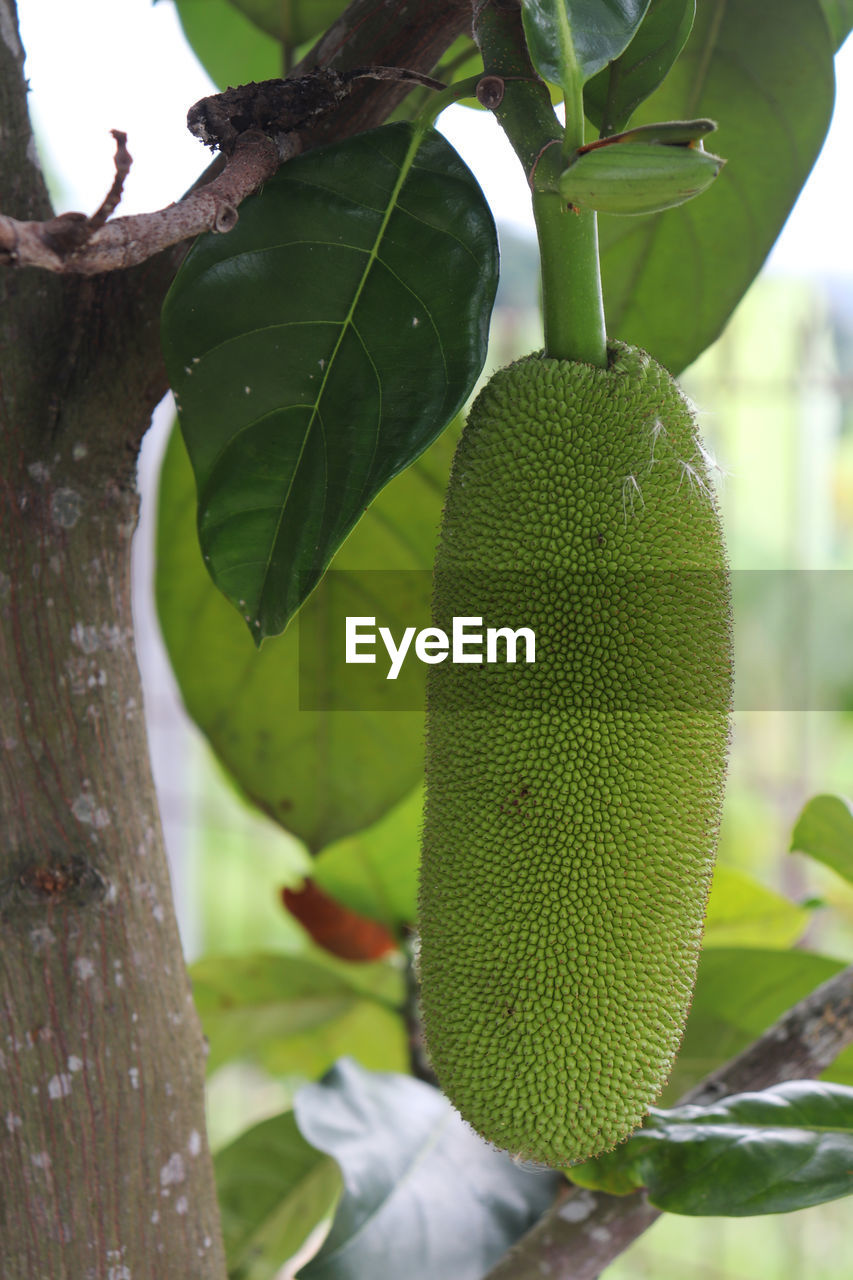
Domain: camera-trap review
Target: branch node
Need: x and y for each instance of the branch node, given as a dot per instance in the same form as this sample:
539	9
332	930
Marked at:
225	218
490	91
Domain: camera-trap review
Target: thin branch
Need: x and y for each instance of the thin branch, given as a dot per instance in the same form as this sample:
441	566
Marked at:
112	200
585	1231
75	244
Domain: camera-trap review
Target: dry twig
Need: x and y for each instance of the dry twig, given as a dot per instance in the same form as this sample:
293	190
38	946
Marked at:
73	243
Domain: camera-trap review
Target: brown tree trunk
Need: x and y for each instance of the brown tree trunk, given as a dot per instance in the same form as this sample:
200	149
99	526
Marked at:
104	1167
105	1172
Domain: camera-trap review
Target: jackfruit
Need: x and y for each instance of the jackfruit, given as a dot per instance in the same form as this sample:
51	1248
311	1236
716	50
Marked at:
573	804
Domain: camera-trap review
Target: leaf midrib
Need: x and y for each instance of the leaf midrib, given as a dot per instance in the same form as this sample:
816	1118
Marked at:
414	144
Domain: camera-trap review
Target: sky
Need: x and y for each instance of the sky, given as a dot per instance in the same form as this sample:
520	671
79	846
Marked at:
96	65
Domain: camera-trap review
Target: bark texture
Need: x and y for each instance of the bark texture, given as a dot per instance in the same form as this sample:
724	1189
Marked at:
104	1168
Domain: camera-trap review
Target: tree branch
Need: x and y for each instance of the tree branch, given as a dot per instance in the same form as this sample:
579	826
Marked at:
73	243
258	127
585	1231
407	33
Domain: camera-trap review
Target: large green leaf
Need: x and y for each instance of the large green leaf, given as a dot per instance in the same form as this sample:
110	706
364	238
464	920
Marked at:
764	73
231	49
739	993
742	912
422	1192
295	1013
786	1148
319	347
824	830
611	97
273	1189
376	871
590	33
291	21
322	775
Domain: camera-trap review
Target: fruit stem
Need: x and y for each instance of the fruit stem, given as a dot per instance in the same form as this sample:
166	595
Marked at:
572	306
573	310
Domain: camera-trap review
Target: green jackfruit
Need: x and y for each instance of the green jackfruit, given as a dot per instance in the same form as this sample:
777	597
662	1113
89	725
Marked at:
573	804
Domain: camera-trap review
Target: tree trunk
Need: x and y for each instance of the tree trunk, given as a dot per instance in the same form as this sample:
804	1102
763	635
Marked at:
105	1172
104	1167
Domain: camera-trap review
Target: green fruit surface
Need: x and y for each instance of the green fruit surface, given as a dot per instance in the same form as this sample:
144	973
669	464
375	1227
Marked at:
573	804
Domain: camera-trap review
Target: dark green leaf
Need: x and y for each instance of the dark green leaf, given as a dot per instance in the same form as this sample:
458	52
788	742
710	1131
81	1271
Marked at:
824	830
839	16
294	21
764	73
231	49
318	348
322	775
786	1148
422	1192
273	1189
612	97
739	993
376	871
296	1013
744	913
596	32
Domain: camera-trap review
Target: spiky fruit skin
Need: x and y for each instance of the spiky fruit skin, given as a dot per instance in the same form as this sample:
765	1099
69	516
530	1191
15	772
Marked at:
572	806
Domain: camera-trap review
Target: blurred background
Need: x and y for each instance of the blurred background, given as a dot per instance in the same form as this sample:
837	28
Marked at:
775	403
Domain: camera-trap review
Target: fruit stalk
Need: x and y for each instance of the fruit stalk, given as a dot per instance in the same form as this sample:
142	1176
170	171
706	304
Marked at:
572	306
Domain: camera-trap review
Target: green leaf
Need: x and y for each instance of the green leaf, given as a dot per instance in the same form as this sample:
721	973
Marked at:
231	49
294	21
321	775
296	1013
824	831
376	871
739	993
273	1189
611	97
839	16
786	1148
319	347
764	73
744	913
589	32
422	1192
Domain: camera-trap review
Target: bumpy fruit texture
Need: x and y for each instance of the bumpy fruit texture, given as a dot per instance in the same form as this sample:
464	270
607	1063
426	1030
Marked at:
573	805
